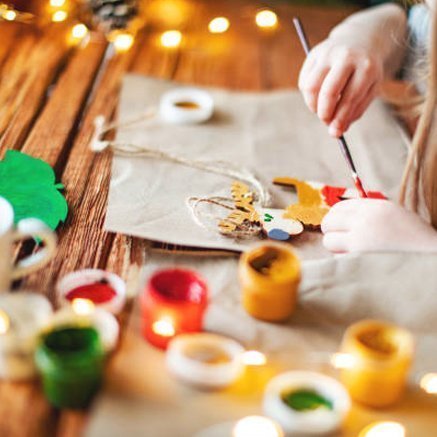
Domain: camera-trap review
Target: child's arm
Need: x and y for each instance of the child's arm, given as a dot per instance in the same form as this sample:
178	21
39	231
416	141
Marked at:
341	76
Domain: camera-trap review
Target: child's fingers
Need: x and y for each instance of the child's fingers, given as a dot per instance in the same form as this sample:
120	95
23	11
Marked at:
364	104
336	242
312	83
355	113
356	88
332	89
335	222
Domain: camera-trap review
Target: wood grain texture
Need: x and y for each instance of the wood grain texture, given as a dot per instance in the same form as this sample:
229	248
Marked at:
50	95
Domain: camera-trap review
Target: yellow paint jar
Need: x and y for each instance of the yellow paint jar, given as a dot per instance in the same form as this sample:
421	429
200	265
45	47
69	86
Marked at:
381	358
269	278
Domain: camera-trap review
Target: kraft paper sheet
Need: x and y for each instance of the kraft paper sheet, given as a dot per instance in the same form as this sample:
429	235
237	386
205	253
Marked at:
272	133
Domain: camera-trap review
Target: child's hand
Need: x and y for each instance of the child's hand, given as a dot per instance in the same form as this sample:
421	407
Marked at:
370	225
338	81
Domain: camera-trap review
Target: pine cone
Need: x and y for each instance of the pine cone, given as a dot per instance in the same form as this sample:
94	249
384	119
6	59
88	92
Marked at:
109	15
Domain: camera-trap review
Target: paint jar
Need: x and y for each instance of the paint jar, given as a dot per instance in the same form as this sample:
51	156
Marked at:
70	361
269	278
381	356
306	403
174	302
104	289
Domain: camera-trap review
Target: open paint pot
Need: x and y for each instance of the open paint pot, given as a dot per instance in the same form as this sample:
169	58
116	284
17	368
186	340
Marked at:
70	361
269	277
306	402
205	360
104	289
186	106
174	302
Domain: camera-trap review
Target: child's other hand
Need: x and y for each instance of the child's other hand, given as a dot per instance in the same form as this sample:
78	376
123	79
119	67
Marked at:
370	225
339	81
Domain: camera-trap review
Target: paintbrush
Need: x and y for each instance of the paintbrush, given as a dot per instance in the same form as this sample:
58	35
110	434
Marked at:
342	141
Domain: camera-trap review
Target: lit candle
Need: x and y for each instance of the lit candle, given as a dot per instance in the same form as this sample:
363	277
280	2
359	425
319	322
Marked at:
22	316
382	355
83	313
205	360
70	360
254	358
218	25
257	426
269	277
266	19
171	39
383	429
429	383
9	15
106	290
173	303
306	401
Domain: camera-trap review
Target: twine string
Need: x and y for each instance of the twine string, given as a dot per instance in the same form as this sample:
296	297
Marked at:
240	173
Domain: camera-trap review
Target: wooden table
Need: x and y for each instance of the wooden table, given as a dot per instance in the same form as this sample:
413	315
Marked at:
49	96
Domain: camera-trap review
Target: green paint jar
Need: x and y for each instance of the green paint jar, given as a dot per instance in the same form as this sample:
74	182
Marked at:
70	361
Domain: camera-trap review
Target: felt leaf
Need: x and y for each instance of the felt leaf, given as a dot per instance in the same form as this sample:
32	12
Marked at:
310	208
29	184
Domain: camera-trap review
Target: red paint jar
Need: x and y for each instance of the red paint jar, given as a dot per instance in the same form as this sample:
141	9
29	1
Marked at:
174	302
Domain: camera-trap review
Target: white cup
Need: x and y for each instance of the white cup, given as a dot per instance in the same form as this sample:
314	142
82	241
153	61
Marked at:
10	234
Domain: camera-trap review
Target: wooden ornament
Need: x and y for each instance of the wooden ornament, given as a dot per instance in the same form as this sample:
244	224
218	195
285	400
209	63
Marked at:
276	226
244	215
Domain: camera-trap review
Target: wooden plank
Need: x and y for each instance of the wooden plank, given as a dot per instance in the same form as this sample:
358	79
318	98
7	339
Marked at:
24	411
86	178
51	135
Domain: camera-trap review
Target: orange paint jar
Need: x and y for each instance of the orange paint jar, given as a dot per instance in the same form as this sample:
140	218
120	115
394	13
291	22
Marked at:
382	354
269	277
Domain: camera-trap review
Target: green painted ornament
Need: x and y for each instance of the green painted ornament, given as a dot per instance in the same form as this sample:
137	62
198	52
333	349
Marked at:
29	185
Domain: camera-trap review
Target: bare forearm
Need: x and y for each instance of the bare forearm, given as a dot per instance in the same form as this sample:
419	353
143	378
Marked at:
382	30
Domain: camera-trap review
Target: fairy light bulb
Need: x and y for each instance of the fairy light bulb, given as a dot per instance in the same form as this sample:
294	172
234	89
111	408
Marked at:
164	328
266	19
83	307
123	41
219	25
342	361
57	3
429	383
79	31
384	429
254	358
5	323
257	426
10	15
171	38
59	16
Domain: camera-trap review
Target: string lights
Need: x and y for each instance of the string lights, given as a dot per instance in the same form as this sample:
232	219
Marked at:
171	39
60	11
219	25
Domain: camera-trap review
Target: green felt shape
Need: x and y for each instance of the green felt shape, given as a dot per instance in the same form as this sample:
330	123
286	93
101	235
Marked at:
306	400
29	185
